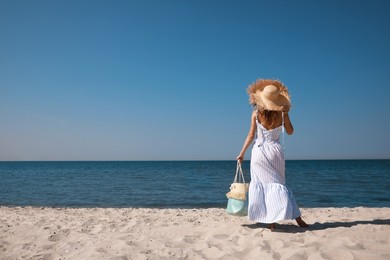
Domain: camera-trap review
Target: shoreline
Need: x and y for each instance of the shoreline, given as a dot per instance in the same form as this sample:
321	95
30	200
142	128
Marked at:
189	233
167	207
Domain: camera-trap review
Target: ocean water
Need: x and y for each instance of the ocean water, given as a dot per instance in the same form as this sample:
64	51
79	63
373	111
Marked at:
185	184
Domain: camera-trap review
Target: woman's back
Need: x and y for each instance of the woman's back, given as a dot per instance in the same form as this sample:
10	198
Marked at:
274	119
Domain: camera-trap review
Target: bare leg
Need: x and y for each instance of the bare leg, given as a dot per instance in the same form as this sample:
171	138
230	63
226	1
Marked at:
272	226
301	223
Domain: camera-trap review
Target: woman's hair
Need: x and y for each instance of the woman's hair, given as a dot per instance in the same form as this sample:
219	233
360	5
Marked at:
269	116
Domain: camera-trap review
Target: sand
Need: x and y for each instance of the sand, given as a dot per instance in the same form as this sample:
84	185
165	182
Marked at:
127	233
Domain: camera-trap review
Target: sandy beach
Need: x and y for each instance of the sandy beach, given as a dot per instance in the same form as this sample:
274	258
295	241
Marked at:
127	233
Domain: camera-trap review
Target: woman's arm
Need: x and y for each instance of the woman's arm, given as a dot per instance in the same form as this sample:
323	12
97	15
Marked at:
249	138
287	124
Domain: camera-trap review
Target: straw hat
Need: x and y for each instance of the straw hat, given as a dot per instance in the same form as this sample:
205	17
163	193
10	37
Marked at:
268	94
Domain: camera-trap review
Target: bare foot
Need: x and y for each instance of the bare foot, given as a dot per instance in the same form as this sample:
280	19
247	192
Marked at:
301	223
272	226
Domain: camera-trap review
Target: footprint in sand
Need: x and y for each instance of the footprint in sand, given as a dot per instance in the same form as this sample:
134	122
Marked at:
57	236
3	246
189	239
28	246
221	236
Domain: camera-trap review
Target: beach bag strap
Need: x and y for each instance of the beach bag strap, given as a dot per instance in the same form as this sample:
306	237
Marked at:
237	203
239	177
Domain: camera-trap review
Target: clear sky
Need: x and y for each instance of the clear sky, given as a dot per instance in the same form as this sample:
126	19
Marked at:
166	80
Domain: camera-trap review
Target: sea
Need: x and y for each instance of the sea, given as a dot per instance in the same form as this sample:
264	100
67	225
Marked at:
185	184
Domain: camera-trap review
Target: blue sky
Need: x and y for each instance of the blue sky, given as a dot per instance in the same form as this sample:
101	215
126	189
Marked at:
166	80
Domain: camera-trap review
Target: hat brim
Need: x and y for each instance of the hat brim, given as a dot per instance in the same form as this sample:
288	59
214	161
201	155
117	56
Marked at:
280	103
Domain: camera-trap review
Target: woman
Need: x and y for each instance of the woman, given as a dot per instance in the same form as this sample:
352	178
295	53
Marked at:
269	199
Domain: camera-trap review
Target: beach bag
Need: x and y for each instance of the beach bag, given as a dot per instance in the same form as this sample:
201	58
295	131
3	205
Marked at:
237	203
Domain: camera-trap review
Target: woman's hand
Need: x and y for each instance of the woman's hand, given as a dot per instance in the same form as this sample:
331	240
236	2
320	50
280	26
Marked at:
240	158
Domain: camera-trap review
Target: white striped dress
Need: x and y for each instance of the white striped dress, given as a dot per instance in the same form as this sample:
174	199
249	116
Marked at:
269	199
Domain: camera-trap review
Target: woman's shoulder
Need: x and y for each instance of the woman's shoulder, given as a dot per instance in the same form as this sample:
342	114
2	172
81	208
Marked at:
254	113
255	116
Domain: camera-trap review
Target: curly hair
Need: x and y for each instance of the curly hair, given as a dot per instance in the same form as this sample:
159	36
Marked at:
269	116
